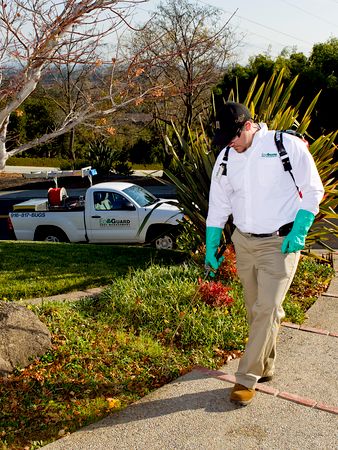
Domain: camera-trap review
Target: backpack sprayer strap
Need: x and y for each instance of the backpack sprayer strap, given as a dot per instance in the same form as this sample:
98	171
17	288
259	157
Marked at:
283	154
281	151
225	161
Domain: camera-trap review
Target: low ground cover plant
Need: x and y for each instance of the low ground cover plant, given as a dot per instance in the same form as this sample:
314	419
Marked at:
151	324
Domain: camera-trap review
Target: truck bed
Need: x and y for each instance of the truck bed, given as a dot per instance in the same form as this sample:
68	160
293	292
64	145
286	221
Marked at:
41	204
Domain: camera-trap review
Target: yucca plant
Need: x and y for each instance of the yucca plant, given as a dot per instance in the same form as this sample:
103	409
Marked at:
102	156
268	103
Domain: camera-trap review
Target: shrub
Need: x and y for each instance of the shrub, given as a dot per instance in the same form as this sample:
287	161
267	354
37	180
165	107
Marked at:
122	168
214	293
102	157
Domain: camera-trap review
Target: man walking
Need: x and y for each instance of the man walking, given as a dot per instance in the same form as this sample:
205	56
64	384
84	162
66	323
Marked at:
273	210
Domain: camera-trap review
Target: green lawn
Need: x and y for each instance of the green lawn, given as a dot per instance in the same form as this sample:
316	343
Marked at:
32	269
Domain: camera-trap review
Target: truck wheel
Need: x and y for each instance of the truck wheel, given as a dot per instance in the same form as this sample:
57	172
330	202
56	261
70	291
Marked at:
165	242
51	234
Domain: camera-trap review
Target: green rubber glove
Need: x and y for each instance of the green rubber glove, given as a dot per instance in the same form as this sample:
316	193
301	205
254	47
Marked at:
295	240
213	239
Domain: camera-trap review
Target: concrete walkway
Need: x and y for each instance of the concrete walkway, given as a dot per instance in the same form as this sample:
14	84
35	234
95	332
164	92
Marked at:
297	410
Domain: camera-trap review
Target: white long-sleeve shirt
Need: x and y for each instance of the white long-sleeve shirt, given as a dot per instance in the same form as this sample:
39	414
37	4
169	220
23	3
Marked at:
257	191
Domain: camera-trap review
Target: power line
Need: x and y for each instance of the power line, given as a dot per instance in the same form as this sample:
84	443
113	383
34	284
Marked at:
334	1
264	37
270	41
272	29
260	24
309	13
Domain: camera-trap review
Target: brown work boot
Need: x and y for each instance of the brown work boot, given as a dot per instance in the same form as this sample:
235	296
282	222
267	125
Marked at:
242	395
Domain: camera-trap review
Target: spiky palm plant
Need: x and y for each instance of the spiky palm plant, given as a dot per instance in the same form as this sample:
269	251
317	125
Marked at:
268	103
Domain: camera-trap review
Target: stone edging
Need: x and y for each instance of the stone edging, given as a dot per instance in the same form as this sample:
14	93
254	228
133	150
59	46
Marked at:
308	329
304	401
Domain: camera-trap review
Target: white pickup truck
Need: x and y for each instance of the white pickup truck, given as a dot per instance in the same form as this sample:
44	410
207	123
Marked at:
112	212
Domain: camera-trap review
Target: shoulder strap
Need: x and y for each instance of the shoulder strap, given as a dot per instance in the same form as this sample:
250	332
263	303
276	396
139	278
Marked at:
284	155
295	133
225	161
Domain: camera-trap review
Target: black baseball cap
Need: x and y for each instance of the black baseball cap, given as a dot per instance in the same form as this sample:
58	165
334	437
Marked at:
230	118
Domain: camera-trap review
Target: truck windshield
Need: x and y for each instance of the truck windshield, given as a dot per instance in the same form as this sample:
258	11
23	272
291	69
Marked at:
140	195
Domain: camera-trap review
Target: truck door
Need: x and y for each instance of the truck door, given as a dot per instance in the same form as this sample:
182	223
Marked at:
113	218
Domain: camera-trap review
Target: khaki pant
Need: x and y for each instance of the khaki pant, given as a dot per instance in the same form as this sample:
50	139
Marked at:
266	275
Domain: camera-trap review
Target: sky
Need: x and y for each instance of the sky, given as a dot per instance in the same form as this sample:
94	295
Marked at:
269	26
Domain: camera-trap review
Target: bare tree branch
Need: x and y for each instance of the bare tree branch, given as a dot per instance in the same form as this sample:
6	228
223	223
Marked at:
200	47
37	32
179	58
86	116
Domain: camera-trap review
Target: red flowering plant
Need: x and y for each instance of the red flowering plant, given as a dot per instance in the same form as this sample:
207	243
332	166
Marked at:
214	293
228	269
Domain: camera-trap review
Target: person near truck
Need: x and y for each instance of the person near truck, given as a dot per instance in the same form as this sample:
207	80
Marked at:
272	213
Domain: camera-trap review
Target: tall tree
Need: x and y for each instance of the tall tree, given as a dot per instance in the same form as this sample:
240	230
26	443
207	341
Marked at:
36	33
69	84
200	45
323	63
316	73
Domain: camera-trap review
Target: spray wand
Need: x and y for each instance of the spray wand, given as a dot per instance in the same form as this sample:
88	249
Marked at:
208	268
207	271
